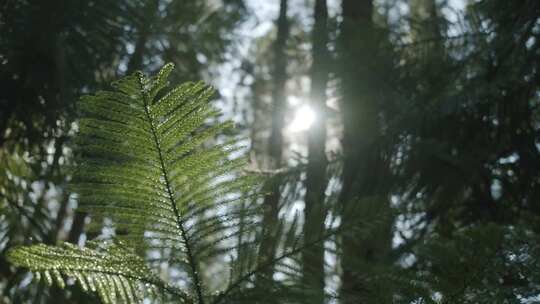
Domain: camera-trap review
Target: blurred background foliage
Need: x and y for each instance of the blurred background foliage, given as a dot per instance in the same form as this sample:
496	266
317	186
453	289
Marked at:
413	124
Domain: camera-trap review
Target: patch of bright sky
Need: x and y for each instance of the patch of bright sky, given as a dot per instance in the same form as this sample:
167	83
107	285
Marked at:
260	21
455	9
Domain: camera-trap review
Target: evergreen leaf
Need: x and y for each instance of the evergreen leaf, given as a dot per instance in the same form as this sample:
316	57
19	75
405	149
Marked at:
114	272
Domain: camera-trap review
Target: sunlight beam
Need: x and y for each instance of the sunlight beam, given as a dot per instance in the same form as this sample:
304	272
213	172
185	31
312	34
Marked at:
303	118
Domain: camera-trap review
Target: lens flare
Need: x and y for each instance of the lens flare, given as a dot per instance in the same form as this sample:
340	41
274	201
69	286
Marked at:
303	118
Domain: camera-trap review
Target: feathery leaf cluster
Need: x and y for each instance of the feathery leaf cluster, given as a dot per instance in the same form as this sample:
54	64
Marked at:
145	165
110	269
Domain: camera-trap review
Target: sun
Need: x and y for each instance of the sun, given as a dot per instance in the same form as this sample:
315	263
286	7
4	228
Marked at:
303	118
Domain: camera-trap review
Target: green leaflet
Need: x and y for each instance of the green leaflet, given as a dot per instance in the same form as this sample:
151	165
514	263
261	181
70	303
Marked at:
116	273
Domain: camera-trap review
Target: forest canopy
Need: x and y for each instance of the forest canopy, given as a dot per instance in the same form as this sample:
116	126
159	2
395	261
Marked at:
291	151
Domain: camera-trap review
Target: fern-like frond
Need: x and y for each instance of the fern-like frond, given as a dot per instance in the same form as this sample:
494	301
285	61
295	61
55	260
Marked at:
144	163
114	272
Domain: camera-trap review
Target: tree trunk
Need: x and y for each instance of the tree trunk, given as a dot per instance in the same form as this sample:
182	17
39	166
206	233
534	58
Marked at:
314	211
267	250
143	34
77	227
365	240
426	30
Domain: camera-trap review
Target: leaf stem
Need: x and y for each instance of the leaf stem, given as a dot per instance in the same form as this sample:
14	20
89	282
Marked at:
191	259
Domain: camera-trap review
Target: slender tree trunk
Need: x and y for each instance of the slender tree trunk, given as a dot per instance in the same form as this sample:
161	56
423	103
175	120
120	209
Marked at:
143	34
314	211
136	59
56	295
427	29
267	250
55	168
365	242
424	20
77	227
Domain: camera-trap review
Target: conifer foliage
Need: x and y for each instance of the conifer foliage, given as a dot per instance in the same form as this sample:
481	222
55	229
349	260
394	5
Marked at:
144	163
